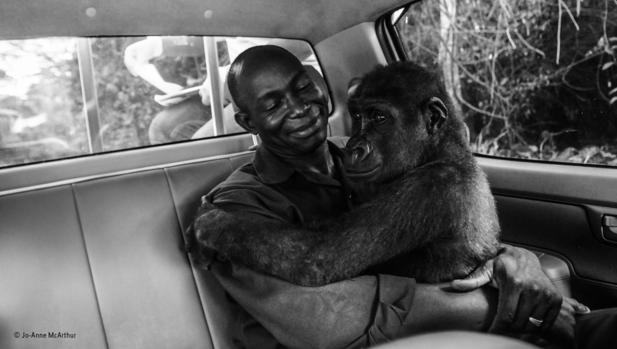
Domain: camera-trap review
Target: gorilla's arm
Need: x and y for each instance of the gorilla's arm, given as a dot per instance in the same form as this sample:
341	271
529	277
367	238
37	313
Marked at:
341	247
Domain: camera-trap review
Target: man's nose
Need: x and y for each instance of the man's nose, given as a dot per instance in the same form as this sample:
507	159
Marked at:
296	106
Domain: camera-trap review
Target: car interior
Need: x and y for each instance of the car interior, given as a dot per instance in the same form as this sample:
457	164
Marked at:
93	245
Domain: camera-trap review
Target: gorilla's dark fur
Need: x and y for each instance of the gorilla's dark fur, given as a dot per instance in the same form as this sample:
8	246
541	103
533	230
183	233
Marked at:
429	213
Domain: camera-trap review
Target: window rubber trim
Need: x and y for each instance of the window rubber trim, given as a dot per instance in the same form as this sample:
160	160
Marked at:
389	37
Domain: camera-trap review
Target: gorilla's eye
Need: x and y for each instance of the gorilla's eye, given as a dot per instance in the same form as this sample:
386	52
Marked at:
378	115
380	118
356	116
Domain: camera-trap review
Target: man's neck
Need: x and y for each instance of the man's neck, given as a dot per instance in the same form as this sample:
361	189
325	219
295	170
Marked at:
318	161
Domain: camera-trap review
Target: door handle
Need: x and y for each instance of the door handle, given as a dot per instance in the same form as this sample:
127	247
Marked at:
609	227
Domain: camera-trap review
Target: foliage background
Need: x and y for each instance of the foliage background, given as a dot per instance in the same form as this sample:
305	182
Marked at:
533	79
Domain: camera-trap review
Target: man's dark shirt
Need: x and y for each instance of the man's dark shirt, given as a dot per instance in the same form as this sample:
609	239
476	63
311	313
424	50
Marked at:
270	188
350	313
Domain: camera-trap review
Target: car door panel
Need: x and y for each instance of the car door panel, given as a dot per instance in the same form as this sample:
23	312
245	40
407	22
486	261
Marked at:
554	208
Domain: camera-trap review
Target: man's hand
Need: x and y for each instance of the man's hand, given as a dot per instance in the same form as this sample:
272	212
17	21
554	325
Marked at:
524	292
561	334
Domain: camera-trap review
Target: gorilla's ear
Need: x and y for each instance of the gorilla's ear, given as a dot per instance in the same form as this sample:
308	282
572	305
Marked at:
243	119
435	113
353	86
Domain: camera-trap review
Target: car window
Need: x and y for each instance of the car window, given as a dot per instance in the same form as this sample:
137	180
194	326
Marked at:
532	79
62	97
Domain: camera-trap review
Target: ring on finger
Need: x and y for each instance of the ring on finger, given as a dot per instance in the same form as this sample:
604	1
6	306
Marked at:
535	322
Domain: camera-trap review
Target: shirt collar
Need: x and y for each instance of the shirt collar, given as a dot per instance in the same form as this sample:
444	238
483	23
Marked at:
273	170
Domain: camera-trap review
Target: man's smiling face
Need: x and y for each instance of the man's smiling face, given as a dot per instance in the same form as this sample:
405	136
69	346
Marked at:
284	106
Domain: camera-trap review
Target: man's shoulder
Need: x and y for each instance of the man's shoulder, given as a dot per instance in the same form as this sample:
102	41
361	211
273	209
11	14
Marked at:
244	185
243	176
244	191
247	176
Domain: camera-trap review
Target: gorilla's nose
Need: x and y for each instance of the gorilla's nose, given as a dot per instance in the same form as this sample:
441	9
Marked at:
359	152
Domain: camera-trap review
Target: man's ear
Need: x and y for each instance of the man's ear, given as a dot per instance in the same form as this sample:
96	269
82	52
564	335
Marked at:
319	82
245	122
435	113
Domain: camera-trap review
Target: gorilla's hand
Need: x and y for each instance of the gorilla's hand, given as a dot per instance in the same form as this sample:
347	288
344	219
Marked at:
200	240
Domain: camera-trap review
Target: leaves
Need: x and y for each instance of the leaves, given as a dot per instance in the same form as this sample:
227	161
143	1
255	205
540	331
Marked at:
612	94
516	100
592	154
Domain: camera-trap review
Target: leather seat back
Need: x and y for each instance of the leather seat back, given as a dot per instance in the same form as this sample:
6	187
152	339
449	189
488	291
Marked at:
103	259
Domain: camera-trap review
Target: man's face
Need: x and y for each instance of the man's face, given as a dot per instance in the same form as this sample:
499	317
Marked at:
285	107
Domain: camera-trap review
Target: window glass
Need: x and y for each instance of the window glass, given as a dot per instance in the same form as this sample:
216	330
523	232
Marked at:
40	101
63	97
532	79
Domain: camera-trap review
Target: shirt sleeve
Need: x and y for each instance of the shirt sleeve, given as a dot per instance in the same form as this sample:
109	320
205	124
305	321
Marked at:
352	313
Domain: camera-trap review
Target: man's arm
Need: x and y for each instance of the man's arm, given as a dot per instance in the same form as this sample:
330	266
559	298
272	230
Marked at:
364	311
437	307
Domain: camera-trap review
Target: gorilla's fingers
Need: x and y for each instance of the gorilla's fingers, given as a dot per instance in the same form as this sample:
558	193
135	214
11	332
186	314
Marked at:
478	278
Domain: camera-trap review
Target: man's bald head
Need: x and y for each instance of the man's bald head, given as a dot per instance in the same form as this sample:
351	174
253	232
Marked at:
250	63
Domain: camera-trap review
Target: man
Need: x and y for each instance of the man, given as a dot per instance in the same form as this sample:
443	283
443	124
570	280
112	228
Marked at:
296	177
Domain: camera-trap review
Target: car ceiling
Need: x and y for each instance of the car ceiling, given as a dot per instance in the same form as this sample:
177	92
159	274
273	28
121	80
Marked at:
312	20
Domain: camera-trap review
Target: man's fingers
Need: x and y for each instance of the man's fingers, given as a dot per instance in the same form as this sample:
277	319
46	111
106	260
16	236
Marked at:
537	309
527	307
551	316
480	277
542	317
579	308
506	308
